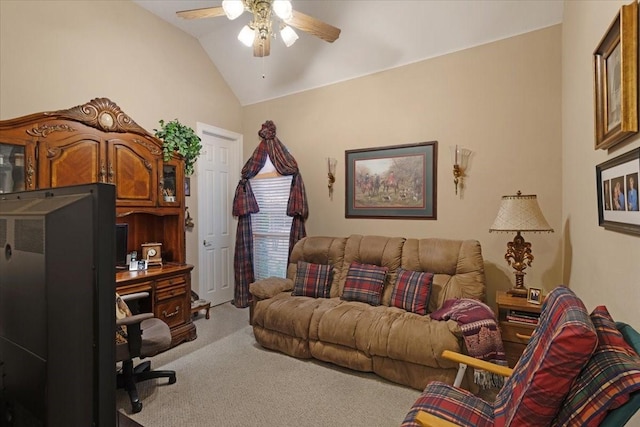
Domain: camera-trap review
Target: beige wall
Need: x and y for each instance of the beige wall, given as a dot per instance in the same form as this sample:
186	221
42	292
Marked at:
60	54
602	266
502	100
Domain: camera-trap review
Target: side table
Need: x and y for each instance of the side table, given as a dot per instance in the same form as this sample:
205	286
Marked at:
516	317
200	304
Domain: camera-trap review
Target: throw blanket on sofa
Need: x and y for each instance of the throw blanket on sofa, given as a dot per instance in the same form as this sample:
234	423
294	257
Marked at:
480	333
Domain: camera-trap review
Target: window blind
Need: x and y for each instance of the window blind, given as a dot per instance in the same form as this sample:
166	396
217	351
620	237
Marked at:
271	226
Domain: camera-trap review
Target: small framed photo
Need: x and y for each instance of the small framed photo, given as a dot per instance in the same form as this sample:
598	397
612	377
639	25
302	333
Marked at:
534	296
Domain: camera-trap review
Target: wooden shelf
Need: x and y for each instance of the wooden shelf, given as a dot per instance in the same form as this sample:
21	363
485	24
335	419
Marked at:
513	344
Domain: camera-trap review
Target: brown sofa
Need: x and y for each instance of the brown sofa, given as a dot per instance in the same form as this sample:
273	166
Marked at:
398	345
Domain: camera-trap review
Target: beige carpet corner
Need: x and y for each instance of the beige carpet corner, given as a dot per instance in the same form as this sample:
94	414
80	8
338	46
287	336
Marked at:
226	379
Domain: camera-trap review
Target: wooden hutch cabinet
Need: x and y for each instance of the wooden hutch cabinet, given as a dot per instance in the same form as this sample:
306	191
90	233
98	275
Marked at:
97	142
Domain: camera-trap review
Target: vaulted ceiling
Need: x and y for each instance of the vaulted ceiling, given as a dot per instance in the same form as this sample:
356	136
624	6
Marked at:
376	35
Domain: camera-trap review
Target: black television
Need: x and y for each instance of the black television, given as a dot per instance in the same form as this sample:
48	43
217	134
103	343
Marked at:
57	315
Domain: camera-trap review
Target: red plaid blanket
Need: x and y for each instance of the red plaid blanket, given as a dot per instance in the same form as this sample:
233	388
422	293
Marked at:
480	333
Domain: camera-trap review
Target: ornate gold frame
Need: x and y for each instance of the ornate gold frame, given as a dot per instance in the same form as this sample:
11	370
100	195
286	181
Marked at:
615	60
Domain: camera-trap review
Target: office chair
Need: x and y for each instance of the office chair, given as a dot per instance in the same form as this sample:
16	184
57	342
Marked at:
139	335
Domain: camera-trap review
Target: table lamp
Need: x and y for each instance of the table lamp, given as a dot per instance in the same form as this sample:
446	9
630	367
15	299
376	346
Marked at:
520	213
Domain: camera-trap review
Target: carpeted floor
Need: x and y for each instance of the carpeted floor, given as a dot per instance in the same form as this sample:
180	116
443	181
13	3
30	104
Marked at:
226	379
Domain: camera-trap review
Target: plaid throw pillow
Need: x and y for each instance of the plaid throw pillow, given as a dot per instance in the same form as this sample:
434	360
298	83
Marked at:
312	280
412	291
612	374
364	283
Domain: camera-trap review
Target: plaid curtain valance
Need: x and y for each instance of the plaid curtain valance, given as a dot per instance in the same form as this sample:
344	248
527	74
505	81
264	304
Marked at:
244	204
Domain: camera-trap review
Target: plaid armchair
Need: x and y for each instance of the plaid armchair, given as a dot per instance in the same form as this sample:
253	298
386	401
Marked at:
574	371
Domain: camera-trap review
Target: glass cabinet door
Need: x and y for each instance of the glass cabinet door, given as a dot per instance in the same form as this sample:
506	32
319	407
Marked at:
12	177
169	187
172	183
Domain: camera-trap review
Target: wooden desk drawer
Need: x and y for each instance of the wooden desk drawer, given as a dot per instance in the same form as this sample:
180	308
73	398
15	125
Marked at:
509	331
137	287
173	311
172	281
167	293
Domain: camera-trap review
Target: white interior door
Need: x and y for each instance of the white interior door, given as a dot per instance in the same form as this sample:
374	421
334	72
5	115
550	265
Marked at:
218	174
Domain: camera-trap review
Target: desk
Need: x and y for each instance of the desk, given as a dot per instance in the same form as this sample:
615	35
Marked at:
170	289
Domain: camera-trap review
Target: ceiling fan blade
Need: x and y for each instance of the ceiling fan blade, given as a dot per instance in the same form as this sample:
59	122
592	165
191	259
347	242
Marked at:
314	26
261	47
207	12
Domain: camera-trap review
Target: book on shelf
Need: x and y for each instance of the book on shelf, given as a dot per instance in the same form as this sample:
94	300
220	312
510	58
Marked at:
522	320
524	314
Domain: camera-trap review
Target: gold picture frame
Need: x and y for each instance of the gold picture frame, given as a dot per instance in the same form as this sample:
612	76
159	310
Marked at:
615	65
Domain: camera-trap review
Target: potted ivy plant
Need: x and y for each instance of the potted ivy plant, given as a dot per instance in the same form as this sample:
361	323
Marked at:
179	138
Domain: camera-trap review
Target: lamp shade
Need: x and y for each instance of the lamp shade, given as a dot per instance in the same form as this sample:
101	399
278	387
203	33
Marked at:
288	35
520	213
283	9
246	36
459	155
233	8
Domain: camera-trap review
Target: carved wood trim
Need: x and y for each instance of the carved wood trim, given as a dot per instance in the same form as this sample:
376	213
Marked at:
45	130
30	172
52	152
151	147
102	114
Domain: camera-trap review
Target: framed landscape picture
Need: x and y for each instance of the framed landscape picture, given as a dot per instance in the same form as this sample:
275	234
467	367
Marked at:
617	182
392	182
615	65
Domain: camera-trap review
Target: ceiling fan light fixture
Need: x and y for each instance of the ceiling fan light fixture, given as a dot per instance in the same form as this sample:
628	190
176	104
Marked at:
232	8
288	35
267	17
283	9
246	36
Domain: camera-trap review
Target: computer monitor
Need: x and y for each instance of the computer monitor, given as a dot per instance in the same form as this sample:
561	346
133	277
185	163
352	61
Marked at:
122	235
57	315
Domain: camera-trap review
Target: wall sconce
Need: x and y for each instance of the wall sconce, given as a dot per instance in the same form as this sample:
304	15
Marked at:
331	174
460	159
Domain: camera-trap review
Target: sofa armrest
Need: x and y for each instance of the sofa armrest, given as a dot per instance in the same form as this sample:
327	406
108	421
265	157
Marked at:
265	289
270	287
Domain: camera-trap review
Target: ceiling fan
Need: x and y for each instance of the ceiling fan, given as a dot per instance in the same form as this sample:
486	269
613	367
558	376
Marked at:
259	31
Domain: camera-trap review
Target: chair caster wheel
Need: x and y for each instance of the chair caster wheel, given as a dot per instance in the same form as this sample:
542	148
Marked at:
136	407
172	379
